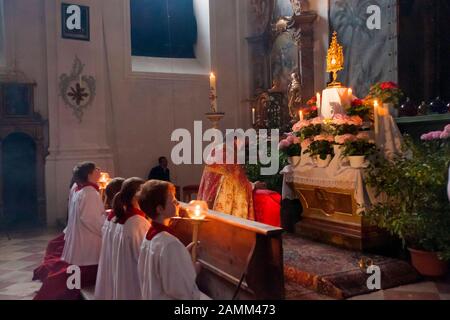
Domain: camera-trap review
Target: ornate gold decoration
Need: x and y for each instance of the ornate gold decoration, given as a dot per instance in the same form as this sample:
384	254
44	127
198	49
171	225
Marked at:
335	60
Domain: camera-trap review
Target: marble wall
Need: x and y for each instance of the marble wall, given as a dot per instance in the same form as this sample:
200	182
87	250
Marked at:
130	122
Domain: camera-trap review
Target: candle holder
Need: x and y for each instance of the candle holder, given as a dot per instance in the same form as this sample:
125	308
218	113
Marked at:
215	118
197	211
103	182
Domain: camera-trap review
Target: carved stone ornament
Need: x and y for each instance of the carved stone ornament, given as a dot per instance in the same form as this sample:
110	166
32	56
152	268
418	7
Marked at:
77	90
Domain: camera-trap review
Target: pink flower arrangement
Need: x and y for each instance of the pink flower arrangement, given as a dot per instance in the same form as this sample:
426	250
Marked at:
284	144
300	125
323	137
433	135
293	139
306	143
318	120
289	141
344	138
363	136
342	119
437	135
356	121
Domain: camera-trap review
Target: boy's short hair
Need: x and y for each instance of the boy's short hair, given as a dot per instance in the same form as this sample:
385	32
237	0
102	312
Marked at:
154	193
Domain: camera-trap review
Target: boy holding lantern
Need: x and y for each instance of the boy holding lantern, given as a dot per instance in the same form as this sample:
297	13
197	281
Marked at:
165	268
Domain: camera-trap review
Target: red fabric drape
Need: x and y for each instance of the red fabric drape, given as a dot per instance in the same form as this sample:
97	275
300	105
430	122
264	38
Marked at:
267	207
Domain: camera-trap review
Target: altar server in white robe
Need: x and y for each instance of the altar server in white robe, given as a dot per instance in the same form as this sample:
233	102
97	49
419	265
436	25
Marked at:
134	226
74	184
84	230
166	270
104	288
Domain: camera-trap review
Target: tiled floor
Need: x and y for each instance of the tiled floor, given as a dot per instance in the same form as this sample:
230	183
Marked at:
20	255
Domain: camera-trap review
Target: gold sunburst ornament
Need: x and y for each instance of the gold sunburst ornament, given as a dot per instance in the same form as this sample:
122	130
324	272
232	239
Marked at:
335	60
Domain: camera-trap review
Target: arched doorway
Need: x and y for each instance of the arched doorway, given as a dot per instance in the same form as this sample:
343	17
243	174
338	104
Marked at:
19	187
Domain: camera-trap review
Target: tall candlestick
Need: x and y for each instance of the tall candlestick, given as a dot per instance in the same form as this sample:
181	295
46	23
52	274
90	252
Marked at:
213	92
253	116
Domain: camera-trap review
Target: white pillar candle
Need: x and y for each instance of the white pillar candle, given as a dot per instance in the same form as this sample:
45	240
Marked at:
213	91
300	114
319	104
376	117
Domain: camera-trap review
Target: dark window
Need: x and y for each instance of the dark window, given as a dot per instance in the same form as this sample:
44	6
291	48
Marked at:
163	28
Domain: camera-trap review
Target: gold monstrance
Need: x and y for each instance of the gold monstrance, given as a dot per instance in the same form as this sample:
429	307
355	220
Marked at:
335	60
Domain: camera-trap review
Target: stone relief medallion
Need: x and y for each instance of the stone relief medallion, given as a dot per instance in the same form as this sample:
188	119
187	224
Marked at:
77	90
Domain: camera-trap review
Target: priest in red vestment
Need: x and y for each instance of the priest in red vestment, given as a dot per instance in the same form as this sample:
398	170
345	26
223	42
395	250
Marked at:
226	188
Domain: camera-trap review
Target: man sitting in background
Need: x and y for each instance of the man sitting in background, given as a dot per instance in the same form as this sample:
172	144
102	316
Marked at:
160	172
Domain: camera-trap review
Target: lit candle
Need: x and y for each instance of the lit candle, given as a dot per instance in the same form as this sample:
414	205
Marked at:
319	104
300	113
213	91
253	115
376	117
197	212
350	93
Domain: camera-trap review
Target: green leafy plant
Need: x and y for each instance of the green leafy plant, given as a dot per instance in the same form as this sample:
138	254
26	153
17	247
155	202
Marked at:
358	147
320	148
415	206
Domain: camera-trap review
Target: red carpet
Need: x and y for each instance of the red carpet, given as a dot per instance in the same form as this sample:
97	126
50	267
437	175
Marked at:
335	272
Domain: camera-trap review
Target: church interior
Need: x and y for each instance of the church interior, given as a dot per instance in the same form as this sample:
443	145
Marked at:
118	119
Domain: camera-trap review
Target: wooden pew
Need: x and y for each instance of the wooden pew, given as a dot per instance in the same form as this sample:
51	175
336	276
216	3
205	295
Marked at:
234	250
236	253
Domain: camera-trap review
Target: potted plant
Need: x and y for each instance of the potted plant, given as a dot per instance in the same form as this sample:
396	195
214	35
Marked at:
308	128
389	94
358	149
360	108
321	149
342	124
311	111
291	148
415	204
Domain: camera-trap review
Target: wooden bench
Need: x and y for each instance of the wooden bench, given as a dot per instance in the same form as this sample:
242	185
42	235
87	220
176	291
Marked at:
234	253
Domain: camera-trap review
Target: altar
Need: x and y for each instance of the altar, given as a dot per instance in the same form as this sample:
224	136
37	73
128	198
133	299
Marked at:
333	204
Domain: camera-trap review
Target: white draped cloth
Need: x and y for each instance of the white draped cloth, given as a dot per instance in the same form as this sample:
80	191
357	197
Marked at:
104	288
166	271
84	230
129	240
338	174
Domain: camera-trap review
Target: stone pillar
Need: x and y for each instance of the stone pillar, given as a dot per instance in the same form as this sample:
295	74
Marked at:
71	140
